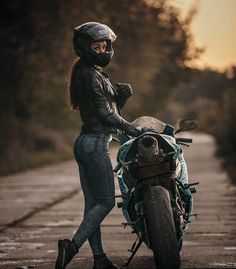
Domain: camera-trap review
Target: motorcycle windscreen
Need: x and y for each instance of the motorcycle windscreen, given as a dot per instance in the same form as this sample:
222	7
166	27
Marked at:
150	122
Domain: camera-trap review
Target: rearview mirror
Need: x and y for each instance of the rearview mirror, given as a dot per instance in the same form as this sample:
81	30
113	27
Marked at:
186	125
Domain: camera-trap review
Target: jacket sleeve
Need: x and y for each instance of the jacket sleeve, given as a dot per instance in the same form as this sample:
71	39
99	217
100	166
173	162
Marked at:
121	100
105	112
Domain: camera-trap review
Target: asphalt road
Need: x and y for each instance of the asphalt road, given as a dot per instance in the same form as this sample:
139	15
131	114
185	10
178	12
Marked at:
39	206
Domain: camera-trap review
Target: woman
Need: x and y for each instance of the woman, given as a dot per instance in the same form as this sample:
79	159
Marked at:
98	102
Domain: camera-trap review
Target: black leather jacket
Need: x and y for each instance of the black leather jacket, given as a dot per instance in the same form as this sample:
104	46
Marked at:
99	103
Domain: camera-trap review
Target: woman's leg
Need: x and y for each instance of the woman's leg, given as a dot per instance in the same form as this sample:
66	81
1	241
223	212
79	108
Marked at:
93	152
89	199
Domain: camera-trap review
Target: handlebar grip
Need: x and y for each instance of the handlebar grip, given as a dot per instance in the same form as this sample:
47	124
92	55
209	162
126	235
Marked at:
184	140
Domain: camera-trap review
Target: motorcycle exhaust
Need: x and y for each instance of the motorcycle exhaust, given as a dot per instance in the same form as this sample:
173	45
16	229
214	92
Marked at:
148	148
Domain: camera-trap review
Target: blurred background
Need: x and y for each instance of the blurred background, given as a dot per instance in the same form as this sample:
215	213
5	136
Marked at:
178	55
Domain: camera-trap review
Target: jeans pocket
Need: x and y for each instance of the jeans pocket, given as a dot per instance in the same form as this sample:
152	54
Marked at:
90	143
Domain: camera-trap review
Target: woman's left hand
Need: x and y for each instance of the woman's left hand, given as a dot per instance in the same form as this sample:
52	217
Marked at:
124	90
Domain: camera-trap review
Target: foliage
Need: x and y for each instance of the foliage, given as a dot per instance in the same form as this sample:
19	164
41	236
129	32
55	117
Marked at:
152	51
211	97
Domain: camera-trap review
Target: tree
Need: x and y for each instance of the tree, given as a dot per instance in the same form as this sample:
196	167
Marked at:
153	46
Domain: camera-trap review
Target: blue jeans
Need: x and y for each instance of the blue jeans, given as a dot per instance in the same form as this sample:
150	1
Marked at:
97	182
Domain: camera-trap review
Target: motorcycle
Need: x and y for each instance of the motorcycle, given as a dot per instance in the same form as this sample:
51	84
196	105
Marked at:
156	198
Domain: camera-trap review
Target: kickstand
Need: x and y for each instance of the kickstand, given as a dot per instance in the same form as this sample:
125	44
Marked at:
134	251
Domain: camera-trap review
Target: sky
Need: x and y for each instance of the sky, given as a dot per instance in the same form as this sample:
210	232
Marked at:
214	28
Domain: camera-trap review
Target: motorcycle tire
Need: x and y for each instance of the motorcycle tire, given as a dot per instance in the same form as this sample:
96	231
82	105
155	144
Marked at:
161	228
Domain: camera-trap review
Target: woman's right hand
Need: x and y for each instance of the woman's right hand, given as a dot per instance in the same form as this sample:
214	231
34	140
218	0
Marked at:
131	130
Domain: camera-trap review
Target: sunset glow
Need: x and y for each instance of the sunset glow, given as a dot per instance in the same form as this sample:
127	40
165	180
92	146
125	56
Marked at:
214	28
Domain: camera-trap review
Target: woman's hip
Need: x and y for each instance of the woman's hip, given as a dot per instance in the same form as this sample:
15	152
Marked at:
91	145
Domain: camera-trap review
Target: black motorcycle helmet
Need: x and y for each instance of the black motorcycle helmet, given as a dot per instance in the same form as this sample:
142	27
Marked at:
91	32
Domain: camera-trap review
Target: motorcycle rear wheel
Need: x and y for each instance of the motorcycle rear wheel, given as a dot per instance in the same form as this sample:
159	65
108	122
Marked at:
161	228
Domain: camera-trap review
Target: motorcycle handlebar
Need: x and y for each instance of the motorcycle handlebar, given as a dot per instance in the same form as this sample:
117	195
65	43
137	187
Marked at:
183	140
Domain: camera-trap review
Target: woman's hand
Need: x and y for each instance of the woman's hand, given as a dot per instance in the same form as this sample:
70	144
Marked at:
124	90
131	130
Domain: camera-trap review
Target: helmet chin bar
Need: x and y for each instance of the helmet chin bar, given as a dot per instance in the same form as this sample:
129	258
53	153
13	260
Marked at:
101	59
94	58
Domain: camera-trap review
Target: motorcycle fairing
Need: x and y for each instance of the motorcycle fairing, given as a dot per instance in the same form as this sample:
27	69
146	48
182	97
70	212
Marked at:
127	150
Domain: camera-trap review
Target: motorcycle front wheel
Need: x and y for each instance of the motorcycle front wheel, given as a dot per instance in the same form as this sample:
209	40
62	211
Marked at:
161	228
